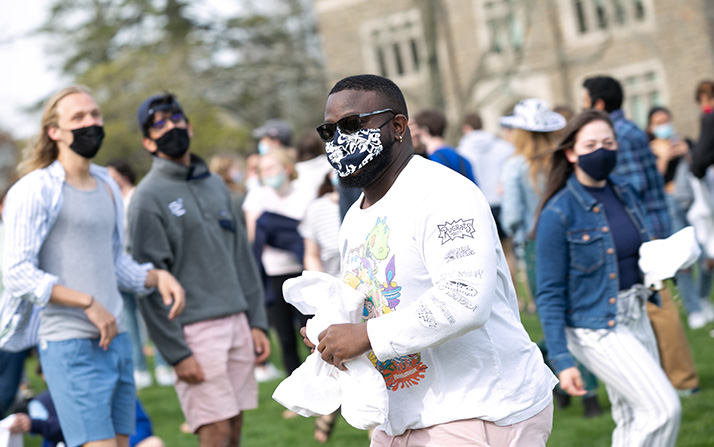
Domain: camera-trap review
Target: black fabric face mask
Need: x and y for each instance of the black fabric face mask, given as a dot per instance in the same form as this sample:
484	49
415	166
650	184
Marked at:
174	143
87	140
599	163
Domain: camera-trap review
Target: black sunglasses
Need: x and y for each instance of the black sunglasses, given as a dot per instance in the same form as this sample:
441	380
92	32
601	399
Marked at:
349	124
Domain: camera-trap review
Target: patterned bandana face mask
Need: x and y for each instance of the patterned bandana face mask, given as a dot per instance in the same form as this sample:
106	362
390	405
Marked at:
348	153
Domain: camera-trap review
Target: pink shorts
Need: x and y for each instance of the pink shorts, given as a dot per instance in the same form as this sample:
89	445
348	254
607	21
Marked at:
533	432
224	350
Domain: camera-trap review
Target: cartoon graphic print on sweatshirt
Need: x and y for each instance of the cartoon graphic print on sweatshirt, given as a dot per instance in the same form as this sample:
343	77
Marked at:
369	269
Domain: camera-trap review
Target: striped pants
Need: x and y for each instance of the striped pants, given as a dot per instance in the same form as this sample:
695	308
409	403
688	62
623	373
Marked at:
645	406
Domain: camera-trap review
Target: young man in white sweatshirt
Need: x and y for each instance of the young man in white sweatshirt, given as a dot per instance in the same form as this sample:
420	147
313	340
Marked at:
441	318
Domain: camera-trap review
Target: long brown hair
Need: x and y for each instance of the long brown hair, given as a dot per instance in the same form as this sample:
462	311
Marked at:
44	150
536	147
561	168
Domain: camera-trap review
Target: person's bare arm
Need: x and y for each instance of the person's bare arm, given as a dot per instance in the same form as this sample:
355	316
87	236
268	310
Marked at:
663	151
261	344
169	288
311	259
572	382
97	314
251	217
189	370
21	424
342	342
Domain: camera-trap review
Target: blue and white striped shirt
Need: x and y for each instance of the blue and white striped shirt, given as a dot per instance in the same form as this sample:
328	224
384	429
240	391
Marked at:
31	208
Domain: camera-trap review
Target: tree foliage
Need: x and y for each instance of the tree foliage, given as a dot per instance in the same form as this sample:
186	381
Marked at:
230	70
8	160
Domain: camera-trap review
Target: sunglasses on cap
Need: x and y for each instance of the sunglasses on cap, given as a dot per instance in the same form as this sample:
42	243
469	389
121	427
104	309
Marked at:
349	124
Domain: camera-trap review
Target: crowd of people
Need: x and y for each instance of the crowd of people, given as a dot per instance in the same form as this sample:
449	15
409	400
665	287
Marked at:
194	258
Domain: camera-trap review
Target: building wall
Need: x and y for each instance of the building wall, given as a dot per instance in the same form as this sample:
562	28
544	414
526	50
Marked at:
659	56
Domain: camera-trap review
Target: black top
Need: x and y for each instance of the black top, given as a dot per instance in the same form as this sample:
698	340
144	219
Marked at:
624	234
703	153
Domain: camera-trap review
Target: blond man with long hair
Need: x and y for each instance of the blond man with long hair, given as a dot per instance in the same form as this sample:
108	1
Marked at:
64	261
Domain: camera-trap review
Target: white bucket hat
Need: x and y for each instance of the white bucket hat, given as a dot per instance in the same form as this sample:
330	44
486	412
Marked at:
534	115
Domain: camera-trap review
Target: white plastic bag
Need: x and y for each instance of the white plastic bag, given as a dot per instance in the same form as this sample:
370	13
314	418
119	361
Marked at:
662	258
317	387
311	389
701	215
8	439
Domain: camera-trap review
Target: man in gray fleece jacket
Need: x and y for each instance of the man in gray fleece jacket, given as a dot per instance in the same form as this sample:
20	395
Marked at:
181	219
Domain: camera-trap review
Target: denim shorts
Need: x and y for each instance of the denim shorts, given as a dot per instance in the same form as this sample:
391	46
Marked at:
92	389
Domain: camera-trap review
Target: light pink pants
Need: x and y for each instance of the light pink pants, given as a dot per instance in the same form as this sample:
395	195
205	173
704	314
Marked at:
224	350
533	432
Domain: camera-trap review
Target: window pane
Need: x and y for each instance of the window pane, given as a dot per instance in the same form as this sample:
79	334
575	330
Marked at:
415	53
639	111
639	10
380	61
620	12
496	46
601	14
516	31
398	58
654	98
580	13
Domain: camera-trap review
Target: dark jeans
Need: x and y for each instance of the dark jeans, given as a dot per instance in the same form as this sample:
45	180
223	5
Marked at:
11	367
131	320
496	212
283	318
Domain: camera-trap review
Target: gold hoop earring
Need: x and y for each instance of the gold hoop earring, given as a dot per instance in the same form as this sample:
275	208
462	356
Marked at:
400	138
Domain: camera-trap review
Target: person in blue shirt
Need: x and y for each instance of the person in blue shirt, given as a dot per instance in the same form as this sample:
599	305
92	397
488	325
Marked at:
590	296
427	129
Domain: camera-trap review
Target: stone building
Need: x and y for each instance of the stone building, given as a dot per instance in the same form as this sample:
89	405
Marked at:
485	55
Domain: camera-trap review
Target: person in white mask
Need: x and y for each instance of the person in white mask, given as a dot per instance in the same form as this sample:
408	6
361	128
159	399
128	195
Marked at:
273	212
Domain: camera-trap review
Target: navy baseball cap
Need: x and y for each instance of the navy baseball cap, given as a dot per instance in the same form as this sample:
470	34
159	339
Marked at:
156	103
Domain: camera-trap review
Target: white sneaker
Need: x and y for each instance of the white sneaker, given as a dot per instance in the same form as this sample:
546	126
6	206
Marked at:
267	372
707	309
696	320
142	379
164	376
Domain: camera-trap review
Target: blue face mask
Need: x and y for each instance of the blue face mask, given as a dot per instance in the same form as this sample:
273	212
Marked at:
663	131
276	181
599	163
263	148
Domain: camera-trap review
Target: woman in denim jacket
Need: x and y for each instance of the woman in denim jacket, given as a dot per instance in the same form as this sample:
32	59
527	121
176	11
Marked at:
589	294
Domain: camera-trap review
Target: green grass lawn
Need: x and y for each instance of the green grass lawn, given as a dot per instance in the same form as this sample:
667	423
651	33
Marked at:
265	427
